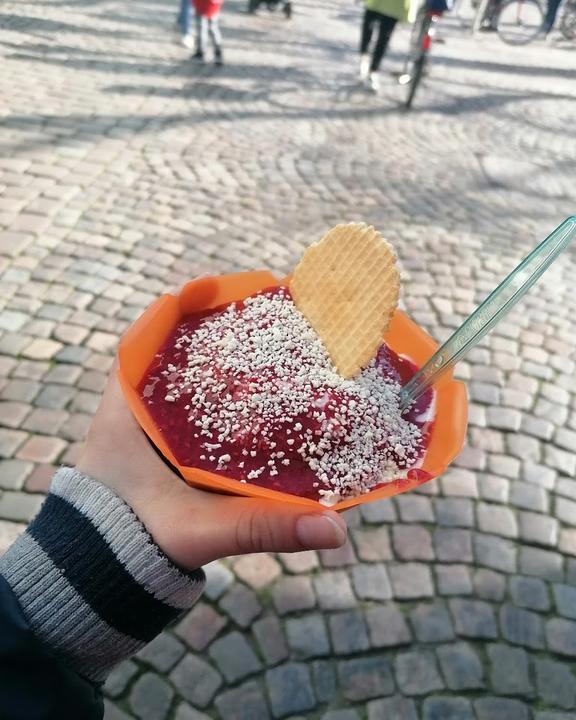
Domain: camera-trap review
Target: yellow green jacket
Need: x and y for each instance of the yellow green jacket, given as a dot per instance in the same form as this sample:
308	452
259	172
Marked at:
393	8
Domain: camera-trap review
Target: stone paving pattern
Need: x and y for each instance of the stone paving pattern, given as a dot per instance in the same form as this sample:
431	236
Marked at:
125	169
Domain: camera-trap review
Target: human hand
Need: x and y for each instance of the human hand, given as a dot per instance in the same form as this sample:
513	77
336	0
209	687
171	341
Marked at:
192	526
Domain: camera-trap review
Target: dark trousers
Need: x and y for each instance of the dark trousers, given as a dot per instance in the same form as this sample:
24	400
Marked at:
553	6
385	27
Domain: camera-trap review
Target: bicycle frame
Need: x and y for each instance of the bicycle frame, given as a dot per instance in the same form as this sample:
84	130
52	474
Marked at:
426	24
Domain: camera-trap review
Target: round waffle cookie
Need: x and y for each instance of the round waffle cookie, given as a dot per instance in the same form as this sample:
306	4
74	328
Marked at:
347	286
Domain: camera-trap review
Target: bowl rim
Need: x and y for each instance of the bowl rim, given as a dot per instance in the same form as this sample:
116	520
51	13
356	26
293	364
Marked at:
144	337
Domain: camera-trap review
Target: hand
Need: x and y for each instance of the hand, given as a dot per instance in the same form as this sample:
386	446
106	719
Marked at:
193	526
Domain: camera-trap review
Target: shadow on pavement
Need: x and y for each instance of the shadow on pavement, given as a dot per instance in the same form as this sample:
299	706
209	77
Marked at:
32	25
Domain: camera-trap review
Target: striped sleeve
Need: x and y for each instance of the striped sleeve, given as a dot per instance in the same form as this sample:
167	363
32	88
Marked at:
90	580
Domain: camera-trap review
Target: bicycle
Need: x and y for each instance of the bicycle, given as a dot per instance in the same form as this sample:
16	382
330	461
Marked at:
521	21
420	43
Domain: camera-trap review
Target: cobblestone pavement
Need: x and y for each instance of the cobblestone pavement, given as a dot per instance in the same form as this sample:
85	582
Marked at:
126	169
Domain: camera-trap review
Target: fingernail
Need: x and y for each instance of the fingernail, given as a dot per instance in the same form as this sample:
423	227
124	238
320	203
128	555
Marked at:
320	531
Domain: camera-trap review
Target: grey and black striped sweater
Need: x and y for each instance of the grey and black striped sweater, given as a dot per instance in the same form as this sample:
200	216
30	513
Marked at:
90	581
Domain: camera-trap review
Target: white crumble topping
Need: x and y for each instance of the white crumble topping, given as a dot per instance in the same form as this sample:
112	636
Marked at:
258	373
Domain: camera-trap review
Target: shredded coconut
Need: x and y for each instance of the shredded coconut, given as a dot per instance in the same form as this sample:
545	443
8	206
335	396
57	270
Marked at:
257	371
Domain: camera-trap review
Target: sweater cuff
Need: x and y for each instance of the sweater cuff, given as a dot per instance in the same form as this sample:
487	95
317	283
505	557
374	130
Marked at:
90	580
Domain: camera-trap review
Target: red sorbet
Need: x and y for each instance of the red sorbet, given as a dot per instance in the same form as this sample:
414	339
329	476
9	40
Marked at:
266	452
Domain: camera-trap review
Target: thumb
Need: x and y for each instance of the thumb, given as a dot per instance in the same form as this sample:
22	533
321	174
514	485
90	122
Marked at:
238	526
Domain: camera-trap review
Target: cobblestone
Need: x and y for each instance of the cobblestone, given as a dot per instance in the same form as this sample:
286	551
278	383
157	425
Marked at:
372	545
493	708
119	678
454	512
290	689
509	674
348	632
412	543
200	626
447	708
522	627
18	506
393	708
494	552
241	604
325	684
163	652
473	618
257	571
13	473
453	580
387	626
190	172
268	632
340	557
218	579
529	497
541	563
555	683
234	657
291	594
452	545
561	636
432	623
565	600
365	678
538	529
151	697
461	667
245	702
307	636
531	593
411	581
489	585
414	508
417	673
196	680
497	520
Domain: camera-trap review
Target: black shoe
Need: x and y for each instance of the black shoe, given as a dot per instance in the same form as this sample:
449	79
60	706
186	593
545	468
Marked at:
198	55
218	58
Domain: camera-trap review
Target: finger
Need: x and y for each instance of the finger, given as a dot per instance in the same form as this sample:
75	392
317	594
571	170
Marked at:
211	526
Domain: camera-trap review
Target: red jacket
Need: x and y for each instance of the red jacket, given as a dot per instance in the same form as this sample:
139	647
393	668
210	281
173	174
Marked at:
207	8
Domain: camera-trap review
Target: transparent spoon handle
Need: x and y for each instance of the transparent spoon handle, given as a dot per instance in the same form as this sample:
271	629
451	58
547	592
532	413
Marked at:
496	305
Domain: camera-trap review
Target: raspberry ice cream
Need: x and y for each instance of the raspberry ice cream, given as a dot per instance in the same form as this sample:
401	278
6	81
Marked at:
248	391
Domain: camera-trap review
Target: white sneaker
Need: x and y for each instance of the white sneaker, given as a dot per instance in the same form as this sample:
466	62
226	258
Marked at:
364	66
188	41
374	82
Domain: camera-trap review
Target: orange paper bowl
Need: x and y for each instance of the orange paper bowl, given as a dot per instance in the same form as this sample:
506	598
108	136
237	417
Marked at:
144	338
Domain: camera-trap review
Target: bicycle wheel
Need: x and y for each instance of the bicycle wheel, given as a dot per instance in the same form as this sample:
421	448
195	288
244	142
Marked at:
415	74
519	21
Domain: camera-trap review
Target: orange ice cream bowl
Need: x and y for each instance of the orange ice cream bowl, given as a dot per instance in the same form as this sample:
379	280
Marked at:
145	337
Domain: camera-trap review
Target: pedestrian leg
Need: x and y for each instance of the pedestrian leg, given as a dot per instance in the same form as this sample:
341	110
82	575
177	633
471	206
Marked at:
201	33
550	18
386	27
185	22
216	38
367	29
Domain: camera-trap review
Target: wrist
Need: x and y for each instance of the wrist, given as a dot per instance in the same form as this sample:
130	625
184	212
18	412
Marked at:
90	580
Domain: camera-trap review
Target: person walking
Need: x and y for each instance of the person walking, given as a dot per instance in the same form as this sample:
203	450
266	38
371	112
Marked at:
383	16
207	23
184	23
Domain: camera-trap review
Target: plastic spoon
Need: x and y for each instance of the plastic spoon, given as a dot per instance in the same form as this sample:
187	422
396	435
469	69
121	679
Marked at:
493	309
